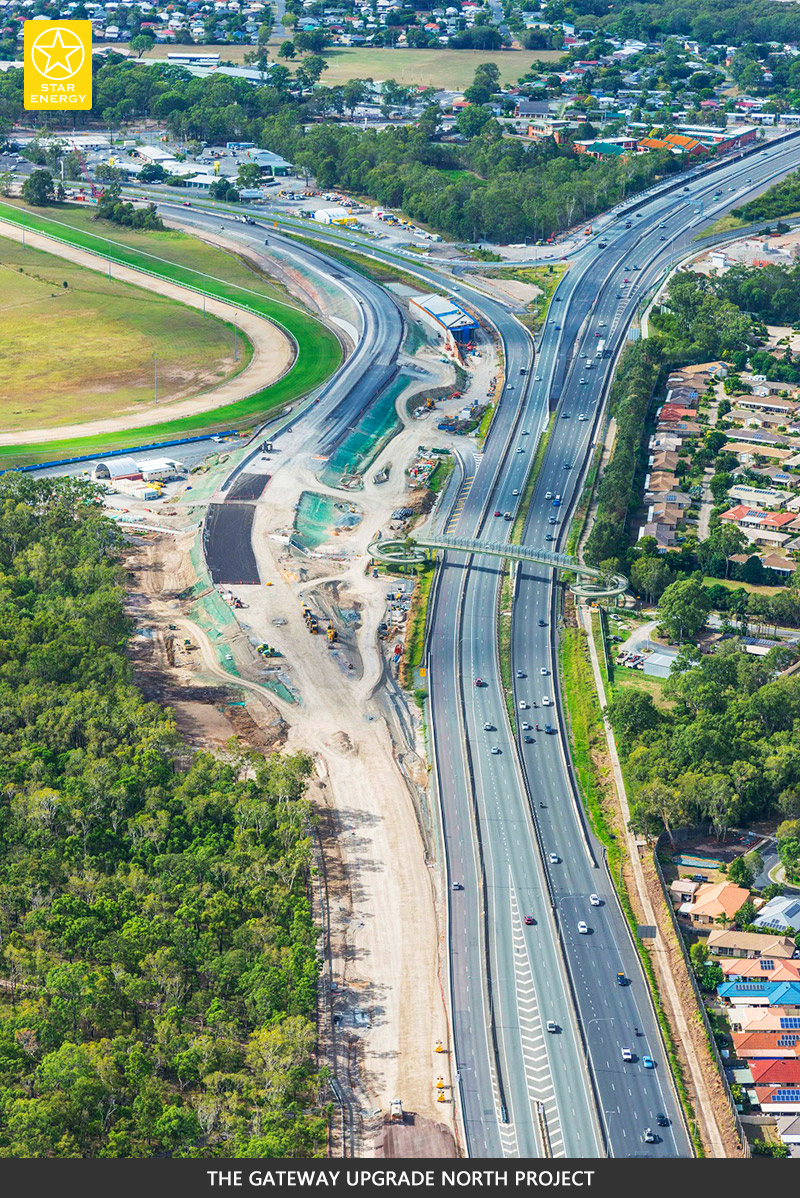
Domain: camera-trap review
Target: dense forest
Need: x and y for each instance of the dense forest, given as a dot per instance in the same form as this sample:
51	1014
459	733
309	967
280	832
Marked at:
726	752
158	959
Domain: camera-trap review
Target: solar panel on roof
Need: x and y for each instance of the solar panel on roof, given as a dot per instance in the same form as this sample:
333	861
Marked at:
787	1041
786	1096
766	964
790	1023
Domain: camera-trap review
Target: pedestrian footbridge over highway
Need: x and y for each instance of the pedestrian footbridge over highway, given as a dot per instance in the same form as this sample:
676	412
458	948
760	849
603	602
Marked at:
588	584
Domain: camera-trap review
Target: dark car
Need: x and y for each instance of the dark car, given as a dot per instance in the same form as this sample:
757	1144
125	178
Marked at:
541	624
621	979
548	728
528	740
508	516
662	1120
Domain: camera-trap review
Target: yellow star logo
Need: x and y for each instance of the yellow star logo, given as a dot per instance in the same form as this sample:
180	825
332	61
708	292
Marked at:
58	53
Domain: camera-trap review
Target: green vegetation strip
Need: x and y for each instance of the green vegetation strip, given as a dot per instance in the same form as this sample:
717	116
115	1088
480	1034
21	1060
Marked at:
318	350
417	624
374	268
504	620
586	733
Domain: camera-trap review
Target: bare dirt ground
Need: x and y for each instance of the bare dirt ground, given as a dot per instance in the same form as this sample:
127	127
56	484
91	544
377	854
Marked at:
189	681
272	350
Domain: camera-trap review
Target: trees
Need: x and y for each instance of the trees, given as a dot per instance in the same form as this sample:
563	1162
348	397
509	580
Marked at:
633	712
683	609
38	189
651	576
161	1001
142	43
740	872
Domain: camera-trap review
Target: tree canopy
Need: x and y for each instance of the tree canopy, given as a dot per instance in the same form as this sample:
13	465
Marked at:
157	952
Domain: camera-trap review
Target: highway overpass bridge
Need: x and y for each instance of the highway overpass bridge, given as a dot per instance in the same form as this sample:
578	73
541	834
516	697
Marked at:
589	583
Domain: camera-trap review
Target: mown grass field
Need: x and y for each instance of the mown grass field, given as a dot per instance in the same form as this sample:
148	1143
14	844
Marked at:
450	69
75	346
318	353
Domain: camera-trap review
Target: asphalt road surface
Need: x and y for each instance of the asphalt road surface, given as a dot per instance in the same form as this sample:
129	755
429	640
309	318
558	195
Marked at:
523	1090
228	544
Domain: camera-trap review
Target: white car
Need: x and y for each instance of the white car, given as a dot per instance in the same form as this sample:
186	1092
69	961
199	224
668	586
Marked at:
495	749
582	417
548	494
523	705
487	727
546	701
583	928
520	449
627	1055
542	670
583	382
551	1025
537	378
553	858
594	899
515	491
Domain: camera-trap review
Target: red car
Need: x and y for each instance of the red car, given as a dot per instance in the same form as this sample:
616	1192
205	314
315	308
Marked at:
529	920
479	682
498	513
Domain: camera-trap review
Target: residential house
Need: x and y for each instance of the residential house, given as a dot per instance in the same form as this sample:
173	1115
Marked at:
766	1045
712	901
761	994
760	1019
756	497
775	1073
725	943
768	969
778	1100
781	913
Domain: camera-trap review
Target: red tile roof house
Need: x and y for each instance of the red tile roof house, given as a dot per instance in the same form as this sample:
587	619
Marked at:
717	900
767	1045
766	969
775	1073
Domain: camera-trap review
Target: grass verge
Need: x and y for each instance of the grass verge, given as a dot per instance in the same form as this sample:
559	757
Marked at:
417	623
725	224
310	369
546	278
504	620
373	268
587	744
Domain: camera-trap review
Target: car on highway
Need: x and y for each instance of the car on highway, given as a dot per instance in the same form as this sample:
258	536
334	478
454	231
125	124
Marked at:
543	670
662	1120
648	1136
662	238
528	740
479	682
526	727
551	520
530	921
549	537
648	1062
568	465
551	1025
488	727
495	749
515	491
549	728
541	624
582	416
594	900
524	704
548	494
546	701
508	516
520	449
498	512
621	979
583	382
553	858
520	674
601	324
522	369
456	886
525	433
627	1055
537	378
583	927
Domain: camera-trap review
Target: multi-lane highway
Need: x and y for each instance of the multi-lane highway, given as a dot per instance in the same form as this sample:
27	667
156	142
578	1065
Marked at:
518	852
505	812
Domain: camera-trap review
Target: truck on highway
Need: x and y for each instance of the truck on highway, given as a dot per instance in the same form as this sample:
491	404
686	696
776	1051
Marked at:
601	349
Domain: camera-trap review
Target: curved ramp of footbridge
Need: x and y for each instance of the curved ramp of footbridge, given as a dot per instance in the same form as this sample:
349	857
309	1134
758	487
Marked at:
589	584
